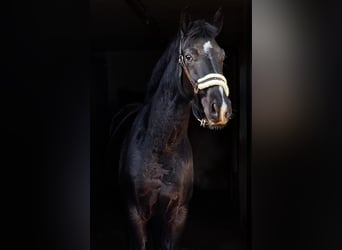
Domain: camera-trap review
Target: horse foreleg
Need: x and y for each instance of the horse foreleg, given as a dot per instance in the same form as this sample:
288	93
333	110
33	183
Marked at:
138	230
173	226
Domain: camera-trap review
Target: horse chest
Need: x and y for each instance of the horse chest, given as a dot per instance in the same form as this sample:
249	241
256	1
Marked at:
161	172
164	171
162	187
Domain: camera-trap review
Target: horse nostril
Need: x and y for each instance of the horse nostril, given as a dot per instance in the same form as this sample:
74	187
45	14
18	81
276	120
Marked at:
214	108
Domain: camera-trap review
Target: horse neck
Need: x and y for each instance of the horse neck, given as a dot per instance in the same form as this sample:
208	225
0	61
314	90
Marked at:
169	109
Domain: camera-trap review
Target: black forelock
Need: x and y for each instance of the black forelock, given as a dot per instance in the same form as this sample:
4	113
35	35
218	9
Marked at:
200	29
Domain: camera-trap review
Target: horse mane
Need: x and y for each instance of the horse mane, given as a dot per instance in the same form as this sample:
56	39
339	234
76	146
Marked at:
160	67
196	29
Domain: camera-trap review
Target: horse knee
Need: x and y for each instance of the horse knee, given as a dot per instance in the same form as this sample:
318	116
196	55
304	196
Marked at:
134	216
181	214
178	216
174	227
138	227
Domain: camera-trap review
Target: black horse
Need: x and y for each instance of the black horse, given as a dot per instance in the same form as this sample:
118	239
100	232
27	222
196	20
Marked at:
156	164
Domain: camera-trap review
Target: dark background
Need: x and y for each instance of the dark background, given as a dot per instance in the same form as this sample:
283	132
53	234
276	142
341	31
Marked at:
122	59
295	129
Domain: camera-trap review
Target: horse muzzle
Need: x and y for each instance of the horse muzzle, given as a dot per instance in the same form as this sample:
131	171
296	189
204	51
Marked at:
215	102
219	112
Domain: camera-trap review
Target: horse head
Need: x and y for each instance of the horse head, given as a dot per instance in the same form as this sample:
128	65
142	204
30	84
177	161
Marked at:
201	59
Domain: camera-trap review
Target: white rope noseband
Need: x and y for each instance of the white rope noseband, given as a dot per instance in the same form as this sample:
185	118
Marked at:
213	79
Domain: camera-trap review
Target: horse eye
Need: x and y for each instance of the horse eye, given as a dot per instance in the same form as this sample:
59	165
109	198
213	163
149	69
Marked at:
188	58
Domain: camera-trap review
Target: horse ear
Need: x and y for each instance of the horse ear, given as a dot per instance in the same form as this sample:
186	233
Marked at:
218	20
185	19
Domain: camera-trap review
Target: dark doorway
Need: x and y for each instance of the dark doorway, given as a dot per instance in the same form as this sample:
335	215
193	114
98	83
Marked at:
128	37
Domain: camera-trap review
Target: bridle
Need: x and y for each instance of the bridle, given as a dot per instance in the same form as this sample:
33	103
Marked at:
209	80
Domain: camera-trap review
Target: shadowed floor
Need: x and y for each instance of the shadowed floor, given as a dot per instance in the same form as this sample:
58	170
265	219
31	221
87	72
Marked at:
211	224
